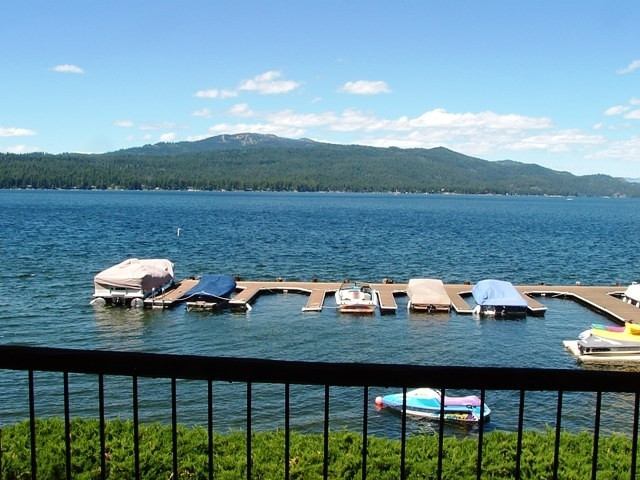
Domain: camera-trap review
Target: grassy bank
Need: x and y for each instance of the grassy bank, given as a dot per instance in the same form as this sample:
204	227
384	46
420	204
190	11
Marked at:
306	454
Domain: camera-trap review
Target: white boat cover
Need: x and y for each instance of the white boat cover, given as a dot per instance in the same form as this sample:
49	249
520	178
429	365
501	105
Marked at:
134	273
633	292
427	291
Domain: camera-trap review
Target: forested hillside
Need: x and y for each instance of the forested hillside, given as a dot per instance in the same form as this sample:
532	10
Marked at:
266	162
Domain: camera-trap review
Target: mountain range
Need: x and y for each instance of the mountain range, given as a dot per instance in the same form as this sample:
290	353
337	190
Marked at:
268	162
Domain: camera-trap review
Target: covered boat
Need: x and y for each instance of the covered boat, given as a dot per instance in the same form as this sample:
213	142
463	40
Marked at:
131	281
498	298
353	297
607	342
632	295
426	403
211	292
427	295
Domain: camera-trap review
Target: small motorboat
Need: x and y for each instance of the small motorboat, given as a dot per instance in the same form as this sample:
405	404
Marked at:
610	340
131	281
210	293
426	403
497	298
353	297
427	295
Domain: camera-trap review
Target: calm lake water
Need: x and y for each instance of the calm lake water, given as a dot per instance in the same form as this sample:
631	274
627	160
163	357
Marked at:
52	243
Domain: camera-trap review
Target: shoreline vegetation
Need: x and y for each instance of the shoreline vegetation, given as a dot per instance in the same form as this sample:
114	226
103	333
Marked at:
306	453
269	163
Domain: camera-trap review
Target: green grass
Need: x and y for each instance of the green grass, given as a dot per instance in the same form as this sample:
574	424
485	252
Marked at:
306	454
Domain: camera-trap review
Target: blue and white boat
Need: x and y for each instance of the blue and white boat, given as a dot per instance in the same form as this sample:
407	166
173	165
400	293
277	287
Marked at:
426	403
211	292
497	298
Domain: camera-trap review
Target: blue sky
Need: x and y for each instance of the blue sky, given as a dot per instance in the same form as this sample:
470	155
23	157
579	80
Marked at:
555	83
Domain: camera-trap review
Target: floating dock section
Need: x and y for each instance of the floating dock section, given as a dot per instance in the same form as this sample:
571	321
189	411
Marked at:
606	300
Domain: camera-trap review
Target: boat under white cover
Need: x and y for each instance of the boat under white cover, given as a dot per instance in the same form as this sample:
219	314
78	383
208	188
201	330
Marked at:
427	295
131	281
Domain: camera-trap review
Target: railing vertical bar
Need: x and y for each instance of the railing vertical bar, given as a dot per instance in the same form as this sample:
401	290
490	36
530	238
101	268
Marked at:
403	440
210	425
103	449
634	439
443	392
365	420
480	435
32	426
325	460
519	442
136	428
67	425
174	426
287	431
596	436
249	462
556	449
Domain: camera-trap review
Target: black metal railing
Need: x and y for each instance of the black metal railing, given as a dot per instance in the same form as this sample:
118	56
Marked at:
256	371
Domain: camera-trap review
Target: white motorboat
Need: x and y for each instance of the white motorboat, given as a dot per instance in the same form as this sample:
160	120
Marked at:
353	297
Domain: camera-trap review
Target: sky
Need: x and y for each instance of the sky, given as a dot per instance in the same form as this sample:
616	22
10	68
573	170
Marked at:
550	82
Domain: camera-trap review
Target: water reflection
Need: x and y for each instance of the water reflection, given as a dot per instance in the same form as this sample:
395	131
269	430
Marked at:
120	328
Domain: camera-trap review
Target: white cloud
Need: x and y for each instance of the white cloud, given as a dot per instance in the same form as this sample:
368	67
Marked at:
66	68
22	149
616	110
167	137
268	83
559	141
627	150
16	132
488	120
205	112
156	126
633	115
123	123
241	110
215	93
365	87
635	65
290	118
634	101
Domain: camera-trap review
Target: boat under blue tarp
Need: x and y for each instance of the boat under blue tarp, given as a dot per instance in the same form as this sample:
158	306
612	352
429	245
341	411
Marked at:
497	297
212	289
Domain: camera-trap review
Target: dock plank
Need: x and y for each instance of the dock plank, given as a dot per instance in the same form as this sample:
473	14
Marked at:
316	300
386	296
456	295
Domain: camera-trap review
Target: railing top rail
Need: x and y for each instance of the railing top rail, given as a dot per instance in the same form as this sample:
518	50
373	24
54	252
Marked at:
194	367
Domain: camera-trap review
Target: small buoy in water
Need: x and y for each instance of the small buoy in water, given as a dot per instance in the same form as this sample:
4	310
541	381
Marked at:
378	400
178	231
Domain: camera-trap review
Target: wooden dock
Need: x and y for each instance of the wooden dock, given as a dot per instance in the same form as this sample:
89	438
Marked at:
169	299
602	299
